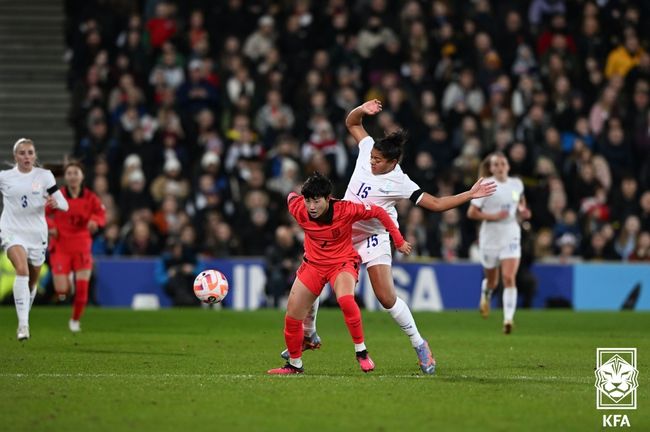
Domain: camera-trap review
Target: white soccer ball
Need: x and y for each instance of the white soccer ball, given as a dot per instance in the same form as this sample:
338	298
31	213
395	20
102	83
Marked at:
211	286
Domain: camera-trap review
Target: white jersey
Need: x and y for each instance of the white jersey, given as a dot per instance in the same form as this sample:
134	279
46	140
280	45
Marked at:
497	234
381	190
24	198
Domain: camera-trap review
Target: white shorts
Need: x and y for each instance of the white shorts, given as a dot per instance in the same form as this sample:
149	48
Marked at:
491	257
375	249
34	247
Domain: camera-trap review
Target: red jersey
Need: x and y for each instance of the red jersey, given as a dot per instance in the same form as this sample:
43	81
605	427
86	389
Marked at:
328	240
74	236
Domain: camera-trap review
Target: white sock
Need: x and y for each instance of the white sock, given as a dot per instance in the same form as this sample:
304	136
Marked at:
32	296
297	362
360	347
21	299
509	303
402	315
309	323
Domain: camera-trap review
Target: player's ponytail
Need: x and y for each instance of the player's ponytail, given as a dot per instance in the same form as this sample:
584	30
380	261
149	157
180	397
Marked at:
392	145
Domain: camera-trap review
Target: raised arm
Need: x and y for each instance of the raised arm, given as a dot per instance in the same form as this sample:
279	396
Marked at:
354	119
439	204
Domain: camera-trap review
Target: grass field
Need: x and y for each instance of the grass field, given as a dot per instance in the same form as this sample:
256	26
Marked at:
178	370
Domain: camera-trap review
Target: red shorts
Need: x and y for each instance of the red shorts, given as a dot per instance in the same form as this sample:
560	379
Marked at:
64	263
316	276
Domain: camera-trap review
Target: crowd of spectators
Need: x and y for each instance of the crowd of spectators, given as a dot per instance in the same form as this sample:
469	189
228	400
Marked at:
196	118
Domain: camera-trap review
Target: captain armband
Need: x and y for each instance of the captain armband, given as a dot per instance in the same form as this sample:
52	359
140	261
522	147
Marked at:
416	196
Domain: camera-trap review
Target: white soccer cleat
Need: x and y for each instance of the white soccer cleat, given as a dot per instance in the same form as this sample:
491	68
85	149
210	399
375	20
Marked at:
22	333
74	326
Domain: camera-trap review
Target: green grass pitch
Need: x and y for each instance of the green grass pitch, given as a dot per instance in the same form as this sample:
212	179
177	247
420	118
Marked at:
195	370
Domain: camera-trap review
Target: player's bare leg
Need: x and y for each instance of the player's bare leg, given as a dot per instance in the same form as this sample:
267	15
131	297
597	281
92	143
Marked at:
61	285
488	285
34	274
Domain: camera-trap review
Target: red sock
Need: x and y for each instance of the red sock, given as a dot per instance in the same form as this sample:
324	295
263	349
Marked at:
80	299
293	335
352	316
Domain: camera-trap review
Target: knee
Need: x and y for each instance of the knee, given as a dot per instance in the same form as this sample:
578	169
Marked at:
22	270
347	304
508	281
492	281
386	299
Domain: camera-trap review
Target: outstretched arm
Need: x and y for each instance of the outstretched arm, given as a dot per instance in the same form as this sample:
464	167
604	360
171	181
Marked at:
353	120
480	189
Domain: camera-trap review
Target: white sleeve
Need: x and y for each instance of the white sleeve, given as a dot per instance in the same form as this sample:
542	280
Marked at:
61	202
408	187
365	145
54	192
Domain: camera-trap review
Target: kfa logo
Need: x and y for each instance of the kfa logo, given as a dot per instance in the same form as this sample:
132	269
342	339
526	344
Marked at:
616	378
616	383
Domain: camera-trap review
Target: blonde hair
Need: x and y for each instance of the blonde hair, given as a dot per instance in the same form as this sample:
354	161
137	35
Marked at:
484	168
22	141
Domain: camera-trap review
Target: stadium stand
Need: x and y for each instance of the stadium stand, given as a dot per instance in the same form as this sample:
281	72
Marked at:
200	116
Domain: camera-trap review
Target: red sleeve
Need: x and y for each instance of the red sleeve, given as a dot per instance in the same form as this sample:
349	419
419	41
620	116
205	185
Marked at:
294	202
98	213
366	211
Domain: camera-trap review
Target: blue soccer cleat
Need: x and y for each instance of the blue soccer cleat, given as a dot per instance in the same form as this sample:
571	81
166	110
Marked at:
425	358
308	343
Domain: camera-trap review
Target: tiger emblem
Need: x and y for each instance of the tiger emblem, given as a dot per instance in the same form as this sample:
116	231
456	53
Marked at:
616	378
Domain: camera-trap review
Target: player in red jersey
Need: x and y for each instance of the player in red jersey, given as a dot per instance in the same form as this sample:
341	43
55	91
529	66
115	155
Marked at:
329	257
70	239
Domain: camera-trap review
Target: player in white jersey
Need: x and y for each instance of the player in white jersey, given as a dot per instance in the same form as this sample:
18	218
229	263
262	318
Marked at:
378	179
26	190
500	235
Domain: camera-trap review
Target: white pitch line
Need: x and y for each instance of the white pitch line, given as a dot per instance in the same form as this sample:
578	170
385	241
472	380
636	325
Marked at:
576	380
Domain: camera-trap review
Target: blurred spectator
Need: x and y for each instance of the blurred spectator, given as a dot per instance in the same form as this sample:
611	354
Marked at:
249	97
175	272
624	57
642	248
170	182
625	242
283	257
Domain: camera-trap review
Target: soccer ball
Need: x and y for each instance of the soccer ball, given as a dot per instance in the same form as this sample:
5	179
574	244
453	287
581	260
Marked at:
210	286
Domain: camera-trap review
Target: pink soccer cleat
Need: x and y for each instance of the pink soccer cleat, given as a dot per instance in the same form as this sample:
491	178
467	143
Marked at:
365	361
287	369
